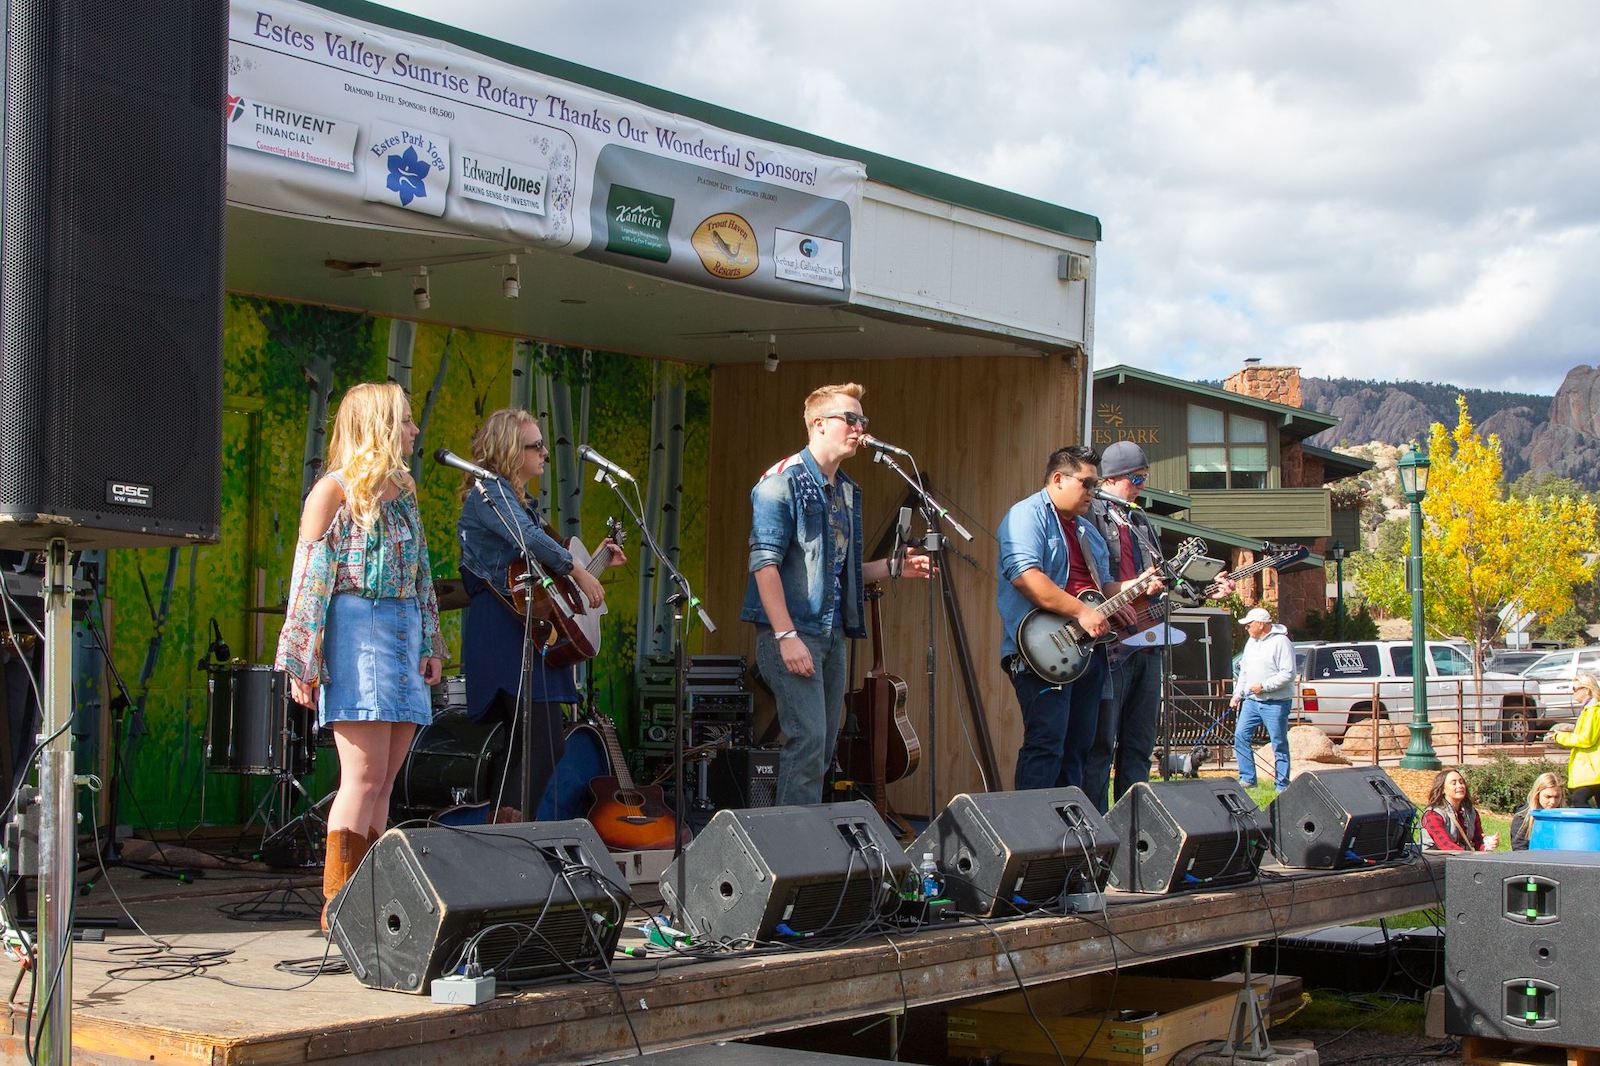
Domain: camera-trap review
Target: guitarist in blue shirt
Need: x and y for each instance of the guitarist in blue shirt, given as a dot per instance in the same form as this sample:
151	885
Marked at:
1049	555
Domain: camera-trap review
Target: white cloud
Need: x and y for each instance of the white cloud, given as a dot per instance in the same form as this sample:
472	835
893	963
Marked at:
1377	189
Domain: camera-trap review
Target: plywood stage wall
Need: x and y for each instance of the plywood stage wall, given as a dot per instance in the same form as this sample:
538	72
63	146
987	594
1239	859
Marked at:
981	428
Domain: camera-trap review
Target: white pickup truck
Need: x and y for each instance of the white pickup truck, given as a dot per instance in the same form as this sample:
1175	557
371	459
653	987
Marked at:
1338	681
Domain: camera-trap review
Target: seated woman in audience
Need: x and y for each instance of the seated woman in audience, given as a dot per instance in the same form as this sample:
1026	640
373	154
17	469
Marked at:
1547	792
1451	822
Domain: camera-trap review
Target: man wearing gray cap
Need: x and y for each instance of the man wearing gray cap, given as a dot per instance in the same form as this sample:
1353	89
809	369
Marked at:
1126	736
1263	693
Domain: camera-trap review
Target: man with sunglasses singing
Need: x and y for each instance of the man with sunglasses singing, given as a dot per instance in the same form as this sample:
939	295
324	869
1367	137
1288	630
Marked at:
1049	555
807	580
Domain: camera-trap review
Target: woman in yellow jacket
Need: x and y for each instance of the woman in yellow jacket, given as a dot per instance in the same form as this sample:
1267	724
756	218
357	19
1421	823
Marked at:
1583	737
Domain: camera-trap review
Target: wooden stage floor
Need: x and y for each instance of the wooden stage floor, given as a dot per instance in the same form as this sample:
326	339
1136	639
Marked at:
239	1009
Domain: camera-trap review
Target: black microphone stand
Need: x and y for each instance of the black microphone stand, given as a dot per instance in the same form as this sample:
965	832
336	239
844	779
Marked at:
933	544
685	607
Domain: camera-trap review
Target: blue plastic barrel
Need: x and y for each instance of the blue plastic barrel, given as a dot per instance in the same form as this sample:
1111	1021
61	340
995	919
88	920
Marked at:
1565	829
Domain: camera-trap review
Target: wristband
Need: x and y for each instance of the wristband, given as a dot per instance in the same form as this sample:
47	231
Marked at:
784	634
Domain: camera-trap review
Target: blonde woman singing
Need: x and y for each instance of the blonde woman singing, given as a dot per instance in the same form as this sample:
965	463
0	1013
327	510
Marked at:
361	641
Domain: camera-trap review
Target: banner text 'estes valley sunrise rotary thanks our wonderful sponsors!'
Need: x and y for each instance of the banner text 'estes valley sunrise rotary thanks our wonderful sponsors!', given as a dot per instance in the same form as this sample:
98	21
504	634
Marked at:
356	52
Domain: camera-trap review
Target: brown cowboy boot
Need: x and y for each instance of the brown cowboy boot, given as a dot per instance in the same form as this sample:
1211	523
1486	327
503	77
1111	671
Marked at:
344	851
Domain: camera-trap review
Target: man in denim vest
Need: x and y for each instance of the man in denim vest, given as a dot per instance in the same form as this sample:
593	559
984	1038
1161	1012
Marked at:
1049	555
807	580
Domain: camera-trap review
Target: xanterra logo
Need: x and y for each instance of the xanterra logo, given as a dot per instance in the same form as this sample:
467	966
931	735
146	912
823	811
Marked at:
637	223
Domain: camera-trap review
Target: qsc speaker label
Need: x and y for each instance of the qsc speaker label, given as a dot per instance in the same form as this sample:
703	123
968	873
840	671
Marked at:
128	494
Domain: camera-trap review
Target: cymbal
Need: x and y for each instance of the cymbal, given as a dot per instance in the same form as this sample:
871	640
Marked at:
271	608
451	594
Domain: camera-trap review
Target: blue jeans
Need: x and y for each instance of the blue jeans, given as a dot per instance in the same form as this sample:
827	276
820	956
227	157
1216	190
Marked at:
1274	714
809	711
1058	726
1126	737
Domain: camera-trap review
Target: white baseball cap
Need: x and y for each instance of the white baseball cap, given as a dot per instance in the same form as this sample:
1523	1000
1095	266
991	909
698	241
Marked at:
1255	614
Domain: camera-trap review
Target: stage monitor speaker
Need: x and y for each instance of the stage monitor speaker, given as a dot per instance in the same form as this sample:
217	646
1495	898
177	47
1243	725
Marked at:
744	778
1520	959
787	874
1177	836
1007	853
522	900
1206	653
1331	819
111	281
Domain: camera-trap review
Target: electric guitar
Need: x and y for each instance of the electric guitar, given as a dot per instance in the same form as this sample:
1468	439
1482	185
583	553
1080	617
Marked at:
575	639
1057	649
628	817
1149	617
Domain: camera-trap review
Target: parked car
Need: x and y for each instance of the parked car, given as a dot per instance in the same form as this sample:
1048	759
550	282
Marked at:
1554	671
1505	661
1339	680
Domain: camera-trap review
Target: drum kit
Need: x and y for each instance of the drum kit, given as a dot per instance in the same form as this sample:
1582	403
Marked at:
255	728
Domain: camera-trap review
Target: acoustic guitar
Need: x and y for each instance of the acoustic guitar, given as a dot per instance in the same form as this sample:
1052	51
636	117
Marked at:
572	639
884	747
628	817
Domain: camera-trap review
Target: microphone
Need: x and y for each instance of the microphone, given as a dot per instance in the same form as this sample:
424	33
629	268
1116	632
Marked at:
588	454
1111	497
446	457
219	647
884	446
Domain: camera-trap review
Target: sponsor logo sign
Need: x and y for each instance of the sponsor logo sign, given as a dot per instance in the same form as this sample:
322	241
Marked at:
290	133
637	223
808	259
129	494
514	186
726	245
407	168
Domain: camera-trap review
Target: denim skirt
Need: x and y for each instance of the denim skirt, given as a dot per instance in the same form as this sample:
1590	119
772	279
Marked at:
371	657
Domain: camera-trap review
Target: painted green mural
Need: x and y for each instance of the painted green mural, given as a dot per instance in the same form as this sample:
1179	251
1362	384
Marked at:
285	367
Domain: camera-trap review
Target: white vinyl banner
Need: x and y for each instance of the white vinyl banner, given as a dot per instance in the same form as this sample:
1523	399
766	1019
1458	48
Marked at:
333	118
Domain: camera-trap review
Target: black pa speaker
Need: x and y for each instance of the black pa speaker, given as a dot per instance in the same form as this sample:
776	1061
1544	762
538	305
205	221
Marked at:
1176	836
744	778
111	218
1331	819
523	900
1520	963
787	873
1005	853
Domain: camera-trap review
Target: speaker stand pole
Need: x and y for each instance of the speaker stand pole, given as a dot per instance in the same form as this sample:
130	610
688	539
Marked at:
58	838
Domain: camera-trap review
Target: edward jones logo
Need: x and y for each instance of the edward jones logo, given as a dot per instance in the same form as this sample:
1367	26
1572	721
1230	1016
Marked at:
726	245
637	223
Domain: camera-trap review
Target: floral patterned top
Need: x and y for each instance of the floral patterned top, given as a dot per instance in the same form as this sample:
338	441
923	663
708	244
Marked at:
389	561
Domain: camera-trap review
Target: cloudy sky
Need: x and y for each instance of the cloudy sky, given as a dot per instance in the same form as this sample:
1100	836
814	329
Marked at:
1388	190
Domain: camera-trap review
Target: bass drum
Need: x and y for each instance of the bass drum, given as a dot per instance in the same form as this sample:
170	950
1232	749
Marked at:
451	763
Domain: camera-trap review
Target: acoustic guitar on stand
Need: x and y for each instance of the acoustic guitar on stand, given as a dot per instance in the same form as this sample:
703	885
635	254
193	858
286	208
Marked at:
627	816
575	639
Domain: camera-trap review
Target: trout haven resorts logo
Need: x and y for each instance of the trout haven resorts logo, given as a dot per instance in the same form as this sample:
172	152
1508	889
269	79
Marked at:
637	223
408	168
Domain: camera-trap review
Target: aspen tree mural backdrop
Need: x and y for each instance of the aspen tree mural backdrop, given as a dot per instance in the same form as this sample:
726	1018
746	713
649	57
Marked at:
285	367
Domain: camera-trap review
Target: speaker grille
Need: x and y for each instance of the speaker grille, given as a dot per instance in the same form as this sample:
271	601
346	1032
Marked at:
832	907
111	308
519	953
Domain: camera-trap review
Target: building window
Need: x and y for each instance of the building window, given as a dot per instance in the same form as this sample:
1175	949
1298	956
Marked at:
1226	451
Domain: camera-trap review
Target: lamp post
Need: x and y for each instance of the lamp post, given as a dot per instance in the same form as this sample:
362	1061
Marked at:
1413	467
1338	552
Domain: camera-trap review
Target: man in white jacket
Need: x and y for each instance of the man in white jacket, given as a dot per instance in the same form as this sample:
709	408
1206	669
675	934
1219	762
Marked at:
1263	693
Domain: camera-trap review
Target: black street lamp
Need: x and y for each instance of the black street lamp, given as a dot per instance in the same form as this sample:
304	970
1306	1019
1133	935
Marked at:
1413	468
1338	552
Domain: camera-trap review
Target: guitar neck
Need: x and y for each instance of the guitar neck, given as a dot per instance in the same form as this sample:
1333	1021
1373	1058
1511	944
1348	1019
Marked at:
601	560
1132	591
619	765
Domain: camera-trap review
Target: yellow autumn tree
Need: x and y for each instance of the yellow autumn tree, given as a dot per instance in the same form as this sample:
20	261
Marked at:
1480	549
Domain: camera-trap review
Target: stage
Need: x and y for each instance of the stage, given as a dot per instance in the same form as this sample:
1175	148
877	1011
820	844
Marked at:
239	1009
